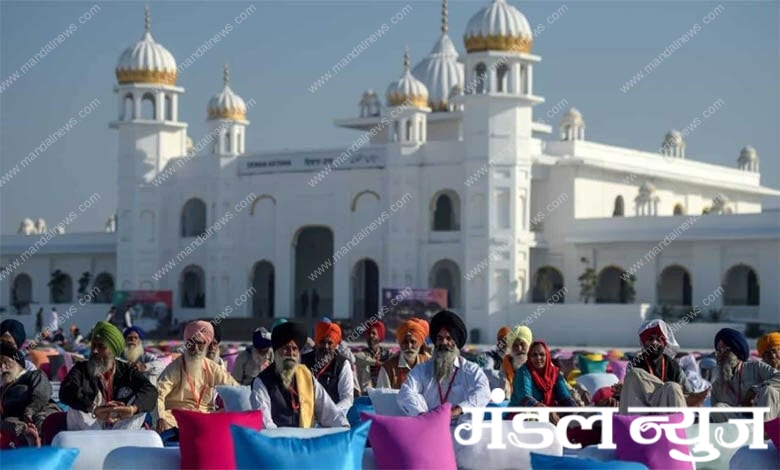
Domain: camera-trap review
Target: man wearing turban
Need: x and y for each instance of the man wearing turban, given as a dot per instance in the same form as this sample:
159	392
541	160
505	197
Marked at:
188	383
104	393
411	337
145	362
214	351
447	377
370	360
287	392
12	333
769	349
741	382
329	366
510	354
254	359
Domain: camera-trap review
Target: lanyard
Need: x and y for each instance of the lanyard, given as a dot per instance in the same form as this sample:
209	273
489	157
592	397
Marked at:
443	399
663	369
108	387
294	400
198	397
322	371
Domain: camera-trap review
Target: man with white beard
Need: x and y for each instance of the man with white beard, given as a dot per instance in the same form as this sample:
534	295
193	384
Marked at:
286	392
510	354
188	383
411	337
144	362
447	377
742	383
104	393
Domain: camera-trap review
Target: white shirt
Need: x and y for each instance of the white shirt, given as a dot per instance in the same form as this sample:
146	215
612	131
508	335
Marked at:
53	320
326	413
346	387
420	392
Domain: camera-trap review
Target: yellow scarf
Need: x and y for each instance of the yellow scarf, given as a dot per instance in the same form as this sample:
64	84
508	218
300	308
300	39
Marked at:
304	382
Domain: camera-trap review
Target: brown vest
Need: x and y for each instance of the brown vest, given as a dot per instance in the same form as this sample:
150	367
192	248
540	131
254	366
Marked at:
398	374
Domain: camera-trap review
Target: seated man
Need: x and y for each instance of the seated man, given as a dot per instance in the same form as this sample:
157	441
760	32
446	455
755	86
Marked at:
369	361
12	333
287	393
144	362
655	378
769	349
447	377
411	337
188	383
104	393
25	398
741	382
254	359
333	371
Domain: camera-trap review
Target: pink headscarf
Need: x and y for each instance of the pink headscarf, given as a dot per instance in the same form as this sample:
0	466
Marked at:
200	328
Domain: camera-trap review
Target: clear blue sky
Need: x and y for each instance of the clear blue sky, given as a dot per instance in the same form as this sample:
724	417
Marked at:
279	51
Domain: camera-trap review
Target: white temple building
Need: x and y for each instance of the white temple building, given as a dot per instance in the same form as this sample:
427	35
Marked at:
479	199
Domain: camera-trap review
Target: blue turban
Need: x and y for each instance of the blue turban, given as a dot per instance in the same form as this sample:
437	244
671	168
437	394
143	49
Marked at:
734	340
137	330
16	329
261	339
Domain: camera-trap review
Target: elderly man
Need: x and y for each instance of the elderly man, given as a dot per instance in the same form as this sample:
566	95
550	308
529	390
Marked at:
510	354
188	383
254	359
144	362
214	352
104	393
333	370
655	378
287	393
447	377
741	382
370	360
25	398
411	337
12	333
769	349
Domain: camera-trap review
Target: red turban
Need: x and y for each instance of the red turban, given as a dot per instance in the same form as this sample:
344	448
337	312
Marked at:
417	327
199	329
324	330
380	329
503	333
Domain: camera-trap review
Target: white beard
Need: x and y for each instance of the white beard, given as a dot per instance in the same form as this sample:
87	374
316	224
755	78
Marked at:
99	367
133	353
10	376
726	369
519	360
194	361
285	367
444	362
411	356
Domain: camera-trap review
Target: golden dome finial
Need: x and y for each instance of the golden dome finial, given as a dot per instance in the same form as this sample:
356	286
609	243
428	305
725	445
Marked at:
444	20
226	74
406	58
147	19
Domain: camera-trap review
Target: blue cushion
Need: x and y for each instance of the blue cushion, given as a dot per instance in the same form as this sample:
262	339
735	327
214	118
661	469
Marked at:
50	458
362	400
340	451
353	415
236	397
553	462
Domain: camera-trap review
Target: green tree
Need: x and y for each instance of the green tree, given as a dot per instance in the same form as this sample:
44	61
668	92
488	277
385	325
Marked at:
588	284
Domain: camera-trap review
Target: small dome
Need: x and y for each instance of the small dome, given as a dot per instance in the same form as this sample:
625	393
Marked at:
146	61
674	137
748	154
498	27
407	88
572	117
647	188
227	104
440	71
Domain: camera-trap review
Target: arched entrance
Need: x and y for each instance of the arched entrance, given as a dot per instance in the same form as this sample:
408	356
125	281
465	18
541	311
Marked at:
674	286
548	282
741	286
21	293
445	274
364	285
612	288
263	284
313	258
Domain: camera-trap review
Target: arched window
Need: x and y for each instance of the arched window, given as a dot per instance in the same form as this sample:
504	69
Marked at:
397	131
446	212
128	108
619	207
193	218
192	287
481	77
168	108
741	287
148	107
501	78
228	142
408	130
104	282
21	293
674	286
263	284
678	209
445	274
60	288
613	288
548	286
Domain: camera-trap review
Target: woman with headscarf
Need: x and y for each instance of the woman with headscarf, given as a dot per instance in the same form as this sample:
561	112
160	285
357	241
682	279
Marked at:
539	383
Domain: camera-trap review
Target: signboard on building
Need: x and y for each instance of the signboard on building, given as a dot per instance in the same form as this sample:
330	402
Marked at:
312	162
150	308
400	305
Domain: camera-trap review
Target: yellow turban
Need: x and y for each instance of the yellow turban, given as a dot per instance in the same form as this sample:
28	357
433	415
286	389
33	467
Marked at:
523	333
769	341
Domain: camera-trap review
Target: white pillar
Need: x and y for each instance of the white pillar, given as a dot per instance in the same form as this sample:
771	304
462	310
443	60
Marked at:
174	106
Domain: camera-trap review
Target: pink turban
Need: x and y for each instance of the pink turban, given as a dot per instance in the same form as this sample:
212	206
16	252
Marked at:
201	329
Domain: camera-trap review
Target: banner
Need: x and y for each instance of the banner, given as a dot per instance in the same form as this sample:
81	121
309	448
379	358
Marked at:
150	308
399	305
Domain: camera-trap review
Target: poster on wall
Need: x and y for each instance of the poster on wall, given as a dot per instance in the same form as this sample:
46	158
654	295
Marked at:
400	305
150	308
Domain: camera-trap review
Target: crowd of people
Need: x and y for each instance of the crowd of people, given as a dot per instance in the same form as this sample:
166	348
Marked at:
298	381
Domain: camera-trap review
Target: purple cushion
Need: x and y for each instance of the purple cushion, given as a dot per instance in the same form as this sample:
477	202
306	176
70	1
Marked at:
412	442
619	369
652	455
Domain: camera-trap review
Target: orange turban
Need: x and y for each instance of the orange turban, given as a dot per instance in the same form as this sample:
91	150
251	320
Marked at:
503	333
417	327
324	330
770	341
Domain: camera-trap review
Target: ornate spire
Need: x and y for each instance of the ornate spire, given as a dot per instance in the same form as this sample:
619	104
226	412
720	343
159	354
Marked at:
444	20
406	58
226	74
147	19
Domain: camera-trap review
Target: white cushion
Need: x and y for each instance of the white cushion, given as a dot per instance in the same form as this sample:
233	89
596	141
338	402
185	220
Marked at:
730	434
94	446
746	457
235	397
596	381
385	401
301	433
478	456
133	458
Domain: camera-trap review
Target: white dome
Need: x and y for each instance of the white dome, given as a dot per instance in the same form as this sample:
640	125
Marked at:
674	137
498	27
646	188
573	117
440	71
146	61
748	154
407	88
227	104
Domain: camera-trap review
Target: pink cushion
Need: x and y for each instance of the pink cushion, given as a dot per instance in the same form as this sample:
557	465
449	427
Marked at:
412	442
652	455
772	428
619	369
205	440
